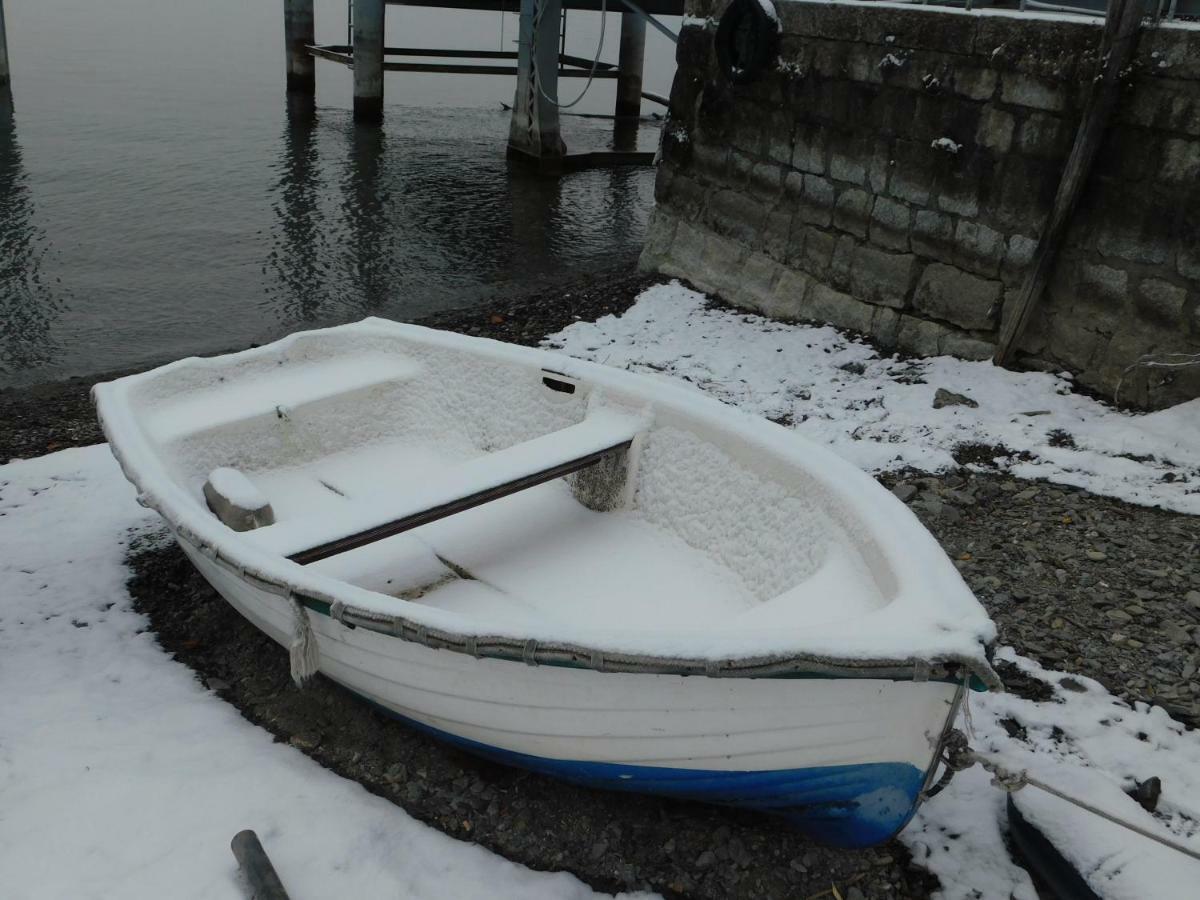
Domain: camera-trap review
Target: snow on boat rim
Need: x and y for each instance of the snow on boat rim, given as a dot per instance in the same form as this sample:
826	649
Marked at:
929	618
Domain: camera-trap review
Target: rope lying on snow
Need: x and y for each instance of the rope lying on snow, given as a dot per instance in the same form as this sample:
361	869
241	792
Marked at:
303	650
958	756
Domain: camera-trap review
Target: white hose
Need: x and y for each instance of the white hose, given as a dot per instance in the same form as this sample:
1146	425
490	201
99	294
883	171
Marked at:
595	60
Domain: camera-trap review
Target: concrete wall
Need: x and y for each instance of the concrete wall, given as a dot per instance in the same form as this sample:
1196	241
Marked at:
825	190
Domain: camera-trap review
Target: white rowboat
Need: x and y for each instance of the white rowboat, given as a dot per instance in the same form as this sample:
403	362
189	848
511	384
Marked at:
586	572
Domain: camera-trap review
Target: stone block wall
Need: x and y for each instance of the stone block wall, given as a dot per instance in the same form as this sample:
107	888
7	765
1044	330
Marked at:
893	172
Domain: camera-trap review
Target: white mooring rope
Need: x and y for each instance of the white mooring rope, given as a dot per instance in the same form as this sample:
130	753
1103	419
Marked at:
958	756
303	652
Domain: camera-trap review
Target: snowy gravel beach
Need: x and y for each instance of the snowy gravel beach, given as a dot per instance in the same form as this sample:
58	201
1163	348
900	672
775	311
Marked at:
1074	523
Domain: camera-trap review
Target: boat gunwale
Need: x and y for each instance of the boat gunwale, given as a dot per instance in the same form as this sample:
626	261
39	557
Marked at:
566	654
946	667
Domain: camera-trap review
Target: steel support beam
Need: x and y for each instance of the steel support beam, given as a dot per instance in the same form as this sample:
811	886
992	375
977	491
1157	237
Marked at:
629	65
368	60
4	76
298	34
534	132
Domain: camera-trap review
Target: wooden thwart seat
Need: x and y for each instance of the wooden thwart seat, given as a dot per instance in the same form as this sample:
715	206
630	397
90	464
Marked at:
309	539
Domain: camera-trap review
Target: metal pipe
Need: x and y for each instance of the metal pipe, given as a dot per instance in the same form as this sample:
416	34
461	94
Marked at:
298	33
256	865
368	60
629	65
672	36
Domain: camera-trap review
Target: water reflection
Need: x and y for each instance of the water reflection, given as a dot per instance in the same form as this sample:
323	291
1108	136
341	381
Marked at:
28	305
426	213
297	257
366	204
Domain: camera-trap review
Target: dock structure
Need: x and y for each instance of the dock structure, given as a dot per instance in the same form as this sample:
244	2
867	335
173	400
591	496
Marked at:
538	63
299	33
4	76
367	59
630	60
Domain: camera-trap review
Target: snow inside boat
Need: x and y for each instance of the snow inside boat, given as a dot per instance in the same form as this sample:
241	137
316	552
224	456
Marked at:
594	574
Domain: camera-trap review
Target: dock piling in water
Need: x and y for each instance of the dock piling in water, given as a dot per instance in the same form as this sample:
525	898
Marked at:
534	131
299	34
629	65
4	77
368	60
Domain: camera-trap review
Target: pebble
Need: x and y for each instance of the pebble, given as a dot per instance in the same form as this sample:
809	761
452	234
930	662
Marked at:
1193	599
1175	633
904	492
1119	615
1096	555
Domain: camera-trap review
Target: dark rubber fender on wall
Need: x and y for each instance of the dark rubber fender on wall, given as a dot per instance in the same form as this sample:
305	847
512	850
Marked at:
747	40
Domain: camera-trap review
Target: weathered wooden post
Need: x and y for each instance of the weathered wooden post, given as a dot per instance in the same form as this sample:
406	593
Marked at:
299	34
533	133
629	65
1122	25
368	60
4	78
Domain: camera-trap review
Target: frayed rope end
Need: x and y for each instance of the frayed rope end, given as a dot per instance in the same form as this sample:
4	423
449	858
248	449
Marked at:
303	651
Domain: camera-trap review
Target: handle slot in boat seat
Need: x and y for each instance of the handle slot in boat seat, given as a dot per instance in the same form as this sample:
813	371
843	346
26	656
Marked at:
600	436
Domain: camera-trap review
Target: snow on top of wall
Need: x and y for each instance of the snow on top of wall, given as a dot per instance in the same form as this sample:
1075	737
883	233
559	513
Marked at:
876	411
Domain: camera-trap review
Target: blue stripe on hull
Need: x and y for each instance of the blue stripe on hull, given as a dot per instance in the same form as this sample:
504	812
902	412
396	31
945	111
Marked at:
846	806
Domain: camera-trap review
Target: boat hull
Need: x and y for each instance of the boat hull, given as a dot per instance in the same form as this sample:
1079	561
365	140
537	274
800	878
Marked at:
843	759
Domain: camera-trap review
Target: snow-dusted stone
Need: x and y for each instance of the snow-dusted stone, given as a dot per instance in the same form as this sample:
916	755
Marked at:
944	398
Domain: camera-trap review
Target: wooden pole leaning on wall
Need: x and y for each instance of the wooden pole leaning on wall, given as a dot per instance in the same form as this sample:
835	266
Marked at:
1117	43
299	34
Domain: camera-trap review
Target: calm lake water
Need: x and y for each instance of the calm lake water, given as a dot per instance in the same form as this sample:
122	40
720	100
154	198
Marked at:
156	199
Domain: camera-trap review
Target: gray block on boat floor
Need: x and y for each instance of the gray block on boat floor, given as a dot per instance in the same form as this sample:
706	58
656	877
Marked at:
238	512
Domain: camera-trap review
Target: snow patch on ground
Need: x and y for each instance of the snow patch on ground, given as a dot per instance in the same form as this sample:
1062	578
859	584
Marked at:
121	776
1091	745
878	411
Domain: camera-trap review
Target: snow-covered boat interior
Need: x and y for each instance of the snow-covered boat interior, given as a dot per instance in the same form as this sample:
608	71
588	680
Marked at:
673	523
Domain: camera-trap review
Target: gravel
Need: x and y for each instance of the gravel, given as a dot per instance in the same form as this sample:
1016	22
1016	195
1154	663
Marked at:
1074	580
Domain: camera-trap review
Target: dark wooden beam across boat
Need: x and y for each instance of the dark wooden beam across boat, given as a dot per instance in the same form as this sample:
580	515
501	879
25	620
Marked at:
451	507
